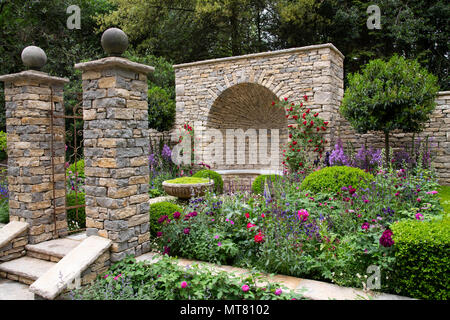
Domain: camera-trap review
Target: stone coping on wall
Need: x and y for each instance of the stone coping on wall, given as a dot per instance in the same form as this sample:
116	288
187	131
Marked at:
11	230
33	75
260	55
110	62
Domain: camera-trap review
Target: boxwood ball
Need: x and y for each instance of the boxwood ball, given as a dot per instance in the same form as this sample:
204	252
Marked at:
34	57
114	41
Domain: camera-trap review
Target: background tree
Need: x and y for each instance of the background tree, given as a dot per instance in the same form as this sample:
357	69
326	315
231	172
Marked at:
386	96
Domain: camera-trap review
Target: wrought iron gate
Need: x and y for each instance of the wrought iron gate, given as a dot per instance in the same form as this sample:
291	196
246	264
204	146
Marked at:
66	127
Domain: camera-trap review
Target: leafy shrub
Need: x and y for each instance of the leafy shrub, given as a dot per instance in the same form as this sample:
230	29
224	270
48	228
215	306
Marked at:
332	179
75	221
165	280
422	259
218	181
160	209
258	183
79	168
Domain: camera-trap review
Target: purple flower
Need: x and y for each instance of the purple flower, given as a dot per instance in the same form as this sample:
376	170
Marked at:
365	226
386	238
337	156
278	292
166	153
216	237
184	284
176	215
162	219
159	234
419	216
219	244
166	250
245	288
186	230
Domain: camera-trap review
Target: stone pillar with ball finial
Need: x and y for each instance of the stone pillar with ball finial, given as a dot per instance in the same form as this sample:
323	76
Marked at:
116	147
36	148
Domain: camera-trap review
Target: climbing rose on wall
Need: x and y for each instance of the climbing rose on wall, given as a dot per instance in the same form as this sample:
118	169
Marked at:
306	140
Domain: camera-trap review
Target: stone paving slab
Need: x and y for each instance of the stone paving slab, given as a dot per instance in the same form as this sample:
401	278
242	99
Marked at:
311	289
13	290
27	267
57	247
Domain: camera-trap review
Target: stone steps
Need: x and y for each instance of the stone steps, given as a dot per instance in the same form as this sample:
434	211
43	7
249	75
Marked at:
52	250
25	269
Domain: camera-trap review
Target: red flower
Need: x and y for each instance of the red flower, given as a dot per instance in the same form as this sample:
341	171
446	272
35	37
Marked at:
325	122
312	123
247	215
316	114
273	103
304	116
305	97
250	225
323	128
307	111
259	238
294	143
285	99
304	122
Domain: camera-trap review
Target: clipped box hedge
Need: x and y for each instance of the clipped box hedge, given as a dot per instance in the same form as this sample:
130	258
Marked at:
422	251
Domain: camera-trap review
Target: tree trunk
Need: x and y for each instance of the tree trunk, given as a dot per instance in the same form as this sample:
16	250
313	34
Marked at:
386	147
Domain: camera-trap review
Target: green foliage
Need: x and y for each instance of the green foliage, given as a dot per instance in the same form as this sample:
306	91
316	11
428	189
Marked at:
160	209
3	145
218	181
161	109
385	96
131	280
78	167
422	259
332	179
258	183
444	194
4	211
76	217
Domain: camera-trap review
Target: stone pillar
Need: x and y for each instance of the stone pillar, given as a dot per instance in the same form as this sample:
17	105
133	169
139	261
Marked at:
116	151
32	186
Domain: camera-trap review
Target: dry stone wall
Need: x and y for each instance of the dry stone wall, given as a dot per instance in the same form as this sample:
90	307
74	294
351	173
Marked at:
237	92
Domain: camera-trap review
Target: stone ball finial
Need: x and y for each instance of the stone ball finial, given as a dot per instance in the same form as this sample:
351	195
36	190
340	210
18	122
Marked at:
114	41
34	57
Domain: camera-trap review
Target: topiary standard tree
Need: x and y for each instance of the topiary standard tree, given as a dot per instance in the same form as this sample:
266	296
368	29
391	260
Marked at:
385	96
